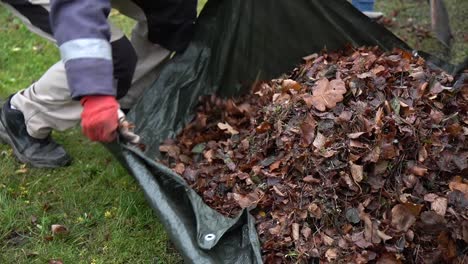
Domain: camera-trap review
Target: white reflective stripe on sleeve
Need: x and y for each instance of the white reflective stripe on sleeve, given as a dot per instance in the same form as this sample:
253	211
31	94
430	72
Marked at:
86	48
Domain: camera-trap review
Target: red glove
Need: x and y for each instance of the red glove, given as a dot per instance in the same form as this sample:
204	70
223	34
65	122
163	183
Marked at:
99	119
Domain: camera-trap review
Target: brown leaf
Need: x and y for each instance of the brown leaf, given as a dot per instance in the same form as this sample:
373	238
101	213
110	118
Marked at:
315	210
439	205
422	154
357	171
430	197
59	230
275	165
179	168
275	230
308	131
402	218
331	254
278	192
383	236
190	174
295	231
370	229
357	144
418	170
373	156
209	155
263	128
172	151
248	200
457	184
378	69
448	247
319	141
355	135
310	179
388	258
289	84
55	261
228	128
327	94
306	232
327	240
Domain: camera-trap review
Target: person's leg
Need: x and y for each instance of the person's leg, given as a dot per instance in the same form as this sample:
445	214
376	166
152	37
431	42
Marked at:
150	56
47	105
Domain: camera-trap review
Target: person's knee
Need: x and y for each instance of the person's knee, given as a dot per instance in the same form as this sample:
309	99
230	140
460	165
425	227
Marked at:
125	60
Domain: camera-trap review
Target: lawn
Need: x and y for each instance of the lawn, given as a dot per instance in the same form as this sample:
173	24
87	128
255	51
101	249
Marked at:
102	206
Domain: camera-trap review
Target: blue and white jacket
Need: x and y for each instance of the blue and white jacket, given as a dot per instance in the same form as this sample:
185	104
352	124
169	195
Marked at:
82	33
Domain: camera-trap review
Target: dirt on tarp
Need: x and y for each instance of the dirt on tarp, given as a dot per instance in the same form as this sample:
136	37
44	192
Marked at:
356	156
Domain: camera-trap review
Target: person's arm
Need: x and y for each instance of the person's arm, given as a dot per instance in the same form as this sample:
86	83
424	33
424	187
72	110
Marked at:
83	33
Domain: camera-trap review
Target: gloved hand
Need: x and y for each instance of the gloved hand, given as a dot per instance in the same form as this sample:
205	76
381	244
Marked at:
99	119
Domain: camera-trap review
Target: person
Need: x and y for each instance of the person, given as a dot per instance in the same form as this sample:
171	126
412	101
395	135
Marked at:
100	71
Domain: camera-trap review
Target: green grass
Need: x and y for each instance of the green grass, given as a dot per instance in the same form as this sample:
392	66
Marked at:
104	209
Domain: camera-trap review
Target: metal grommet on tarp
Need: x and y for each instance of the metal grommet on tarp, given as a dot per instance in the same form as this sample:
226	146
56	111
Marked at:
210	237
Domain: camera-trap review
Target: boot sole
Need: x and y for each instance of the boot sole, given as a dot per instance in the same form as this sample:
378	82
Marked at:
5	138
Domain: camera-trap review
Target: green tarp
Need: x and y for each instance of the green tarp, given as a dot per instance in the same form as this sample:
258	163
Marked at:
237	42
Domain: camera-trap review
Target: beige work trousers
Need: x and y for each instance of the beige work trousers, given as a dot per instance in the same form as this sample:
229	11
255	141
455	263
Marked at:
47	105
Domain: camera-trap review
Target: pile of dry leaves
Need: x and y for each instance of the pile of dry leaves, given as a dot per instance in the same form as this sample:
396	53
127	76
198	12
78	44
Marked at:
357	156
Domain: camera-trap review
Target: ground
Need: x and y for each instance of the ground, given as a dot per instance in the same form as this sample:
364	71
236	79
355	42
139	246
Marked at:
102	206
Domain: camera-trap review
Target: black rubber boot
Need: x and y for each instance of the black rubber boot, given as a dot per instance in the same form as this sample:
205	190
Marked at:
40	153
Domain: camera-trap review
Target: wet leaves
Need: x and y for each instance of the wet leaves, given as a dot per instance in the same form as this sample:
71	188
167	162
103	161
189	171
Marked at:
357	156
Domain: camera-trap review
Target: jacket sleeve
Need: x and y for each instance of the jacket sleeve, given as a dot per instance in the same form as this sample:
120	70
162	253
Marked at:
82	33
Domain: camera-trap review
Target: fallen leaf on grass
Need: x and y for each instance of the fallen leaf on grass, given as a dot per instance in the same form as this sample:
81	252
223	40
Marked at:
59	229
55	261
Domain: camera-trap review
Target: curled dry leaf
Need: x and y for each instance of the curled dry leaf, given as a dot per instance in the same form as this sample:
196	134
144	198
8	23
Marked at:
289	84
228	128
295	231
59	229
308	131
418	170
